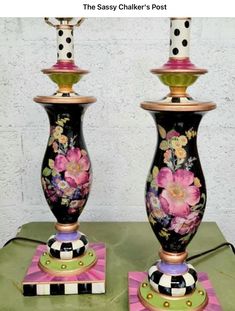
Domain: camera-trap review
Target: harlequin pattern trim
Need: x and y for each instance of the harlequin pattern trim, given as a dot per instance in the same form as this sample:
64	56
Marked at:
67	250
177	100
173	285
60	94
63	289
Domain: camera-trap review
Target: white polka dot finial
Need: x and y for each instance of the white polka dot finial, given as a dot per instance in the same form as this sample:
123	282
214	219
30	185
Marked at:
179	37
65	45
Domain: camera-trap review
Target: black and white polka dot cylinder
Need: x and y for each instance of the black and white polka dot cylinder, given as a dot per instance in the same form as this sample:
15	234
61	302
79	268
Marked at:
179	37
65	45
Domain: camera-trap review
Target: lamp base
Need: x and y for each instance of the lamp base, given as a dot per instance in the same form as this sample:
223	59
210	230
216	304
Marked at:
209	301
92	281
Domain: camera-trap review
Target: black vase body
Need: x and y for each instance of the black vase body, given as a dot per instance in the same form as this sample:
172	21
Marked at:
66	167
175	189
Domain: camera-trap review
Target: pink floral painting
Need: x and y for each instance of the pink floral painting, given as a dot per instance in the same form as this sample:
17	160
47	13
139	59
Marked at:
175	198
66	177
75	166
178	193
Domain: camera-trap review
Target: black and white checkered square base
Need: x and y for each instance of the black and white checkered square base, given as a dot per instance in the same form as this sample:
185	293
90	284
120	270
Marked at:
63	289
92	281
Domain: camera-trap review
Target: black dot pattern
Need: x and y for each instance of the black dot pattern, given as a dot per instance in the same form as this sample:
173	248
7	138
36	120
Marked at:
179	41
186	24
177	32
184	42
65	44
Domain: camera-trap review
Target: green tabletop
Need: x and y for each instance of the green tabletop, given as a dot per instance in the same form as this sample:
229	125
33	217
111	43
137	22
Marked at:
130	247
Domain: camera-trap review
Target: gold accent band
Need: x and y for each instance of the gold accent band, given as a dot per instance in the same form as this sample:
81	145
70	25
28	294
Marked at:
65	88
193	107
178	91
64	26
172	258
67	227
179	58
65	100
199	71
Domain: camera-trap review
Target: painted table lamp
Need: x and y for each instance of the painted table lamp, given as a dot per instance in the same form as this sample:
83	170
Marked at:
175	190
68	264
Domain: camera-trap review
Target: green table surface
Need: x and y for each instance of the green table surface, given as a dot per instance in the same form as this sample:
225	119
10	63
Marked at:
131	246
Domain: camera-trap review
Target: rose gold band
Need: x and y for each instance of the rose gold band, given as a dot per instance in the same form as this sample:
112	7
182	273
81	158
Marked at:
172	258
67	227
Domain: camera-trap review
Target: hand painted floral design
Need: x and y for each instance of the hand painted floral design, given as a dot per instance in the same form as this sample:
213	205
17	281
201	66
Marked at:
184	225
178	193
173	143
75	165
66	178
174	198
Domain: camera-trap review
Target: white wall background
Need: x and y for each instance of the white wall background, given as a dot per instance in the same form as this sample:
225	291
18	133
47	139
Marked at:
120	136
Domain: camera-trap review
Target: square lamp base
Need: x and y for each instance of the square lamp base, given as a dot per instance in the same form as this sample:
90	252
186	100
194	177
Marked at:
136	278
37	282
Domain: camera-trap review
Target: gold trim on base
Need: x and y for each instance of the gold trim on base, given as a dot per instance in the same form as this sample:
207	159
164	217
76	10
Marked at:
81	266
64	100
168	301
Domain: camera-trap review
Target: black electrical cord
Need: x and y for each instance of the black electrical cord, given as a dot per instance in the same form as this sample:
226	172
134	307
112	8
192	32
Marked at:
212	250
24	239
188	259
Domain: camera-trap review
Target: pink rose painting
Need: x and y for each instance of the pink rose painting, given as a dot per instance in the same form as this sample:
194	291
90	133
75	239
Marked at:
178	193
75	167
185	225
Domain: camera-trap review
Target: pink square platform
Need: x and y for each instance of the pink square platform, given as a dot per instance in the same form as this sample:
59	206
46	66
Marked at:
135	278
37	282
